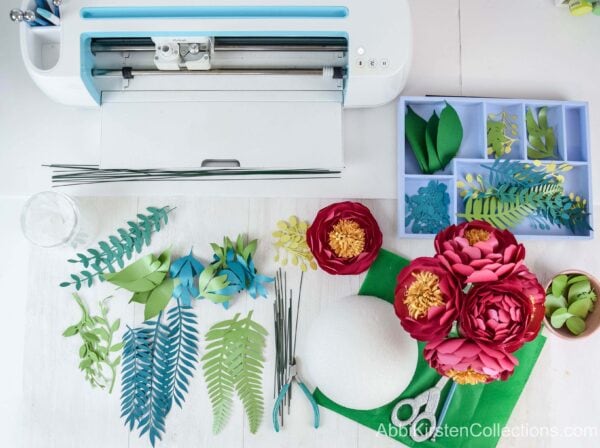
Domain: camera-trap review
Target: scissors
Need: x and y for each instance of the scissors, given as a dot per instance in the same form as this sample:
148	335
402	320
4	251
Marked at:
430	399
284	390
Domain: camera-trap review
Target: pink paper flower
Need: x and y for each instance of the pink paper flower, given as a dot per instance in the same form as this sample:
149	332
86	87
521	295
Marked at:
469	362
477	252
501	314
344	238
427	299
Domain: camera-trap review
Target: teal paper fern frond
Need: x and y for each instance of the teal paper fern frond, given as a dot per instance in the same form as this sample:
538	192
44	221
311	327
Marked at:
158	360
110	254
234	361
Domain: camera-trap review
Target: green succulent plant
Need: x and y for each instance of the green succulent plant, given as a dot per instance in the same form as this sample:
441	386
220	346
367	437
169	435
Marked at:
569	301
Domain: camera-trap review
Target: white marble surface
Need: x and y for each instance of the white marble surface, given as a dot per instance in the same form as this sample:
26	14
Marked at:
507	48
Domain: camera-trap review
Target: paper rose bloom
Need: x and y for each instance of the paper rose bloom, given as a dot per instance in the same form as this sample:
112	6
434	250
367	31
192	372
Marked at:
344	238
477	252
501	314
427	299
469	362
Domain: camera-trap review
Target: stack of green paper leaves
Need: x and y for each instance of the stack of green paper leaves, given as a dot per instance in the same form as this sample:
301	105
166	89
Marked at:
541	138
435	142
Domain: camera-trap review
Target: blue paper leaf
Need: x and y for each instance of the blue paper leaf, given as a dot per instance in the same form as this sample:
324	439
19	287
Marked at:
186	269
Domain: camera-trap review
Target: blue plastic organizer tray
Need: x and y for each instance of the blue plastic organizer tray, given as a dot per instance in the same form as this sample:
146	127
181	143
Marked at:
571	128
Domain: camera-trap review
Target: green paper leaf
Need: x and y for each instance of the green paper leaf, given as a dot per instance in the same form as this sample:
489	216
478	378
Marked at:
415	128
159	298
431	132
449	135
559	317
576	289
142	275
576	278
576	325
581	307
71	331
558	285
553	303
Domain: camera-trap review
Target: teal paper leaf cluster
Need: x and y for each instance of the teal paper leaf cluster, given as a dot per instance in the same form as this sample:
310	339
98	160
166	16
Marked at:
186	269
231	272
158	362
428	209
111	254
516	191
234	363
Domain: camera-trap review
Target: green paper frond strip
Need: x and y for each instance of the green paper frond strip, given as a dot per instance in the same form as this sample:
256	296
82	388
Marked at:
540	136
112	253
97	349
234	360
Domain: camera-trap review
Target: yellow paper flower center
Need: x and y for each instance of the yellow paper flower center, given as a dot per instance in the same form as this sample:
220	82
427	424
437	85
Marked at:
468	376
423	294
347	239
474	236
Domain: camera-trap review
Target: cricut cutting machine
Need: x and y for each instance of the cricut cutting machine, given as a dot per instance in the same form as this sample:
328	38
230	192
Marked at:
221	83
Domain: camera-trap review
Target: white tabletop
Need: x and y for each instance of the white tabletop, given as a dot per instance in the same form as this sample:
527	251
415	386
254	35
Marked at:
500	48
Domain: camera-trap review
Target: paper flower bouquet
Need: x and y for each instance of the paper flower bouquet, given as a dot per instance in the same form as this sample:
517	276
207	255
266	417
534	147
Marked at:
474	303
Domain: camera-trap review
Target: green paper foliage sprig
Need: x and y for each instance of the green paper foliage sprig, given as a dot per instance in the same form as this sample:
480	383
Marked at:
158	360
112	253
98	347
541	137
435	142
569	301
234	362
291	244
517	191
501	132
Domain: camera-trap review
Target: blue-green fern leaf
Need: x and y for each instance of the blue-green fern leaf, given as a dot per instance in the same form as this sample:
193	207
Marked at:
110	255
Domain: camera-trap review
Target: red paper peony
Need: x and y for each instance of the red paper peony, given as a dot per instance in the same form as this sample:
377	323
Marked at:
469	362
344	238
477	252
427	299
501	314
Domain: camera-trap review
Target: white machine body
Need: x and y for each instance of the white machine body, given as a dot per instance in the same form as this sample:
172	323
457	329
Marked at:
227	72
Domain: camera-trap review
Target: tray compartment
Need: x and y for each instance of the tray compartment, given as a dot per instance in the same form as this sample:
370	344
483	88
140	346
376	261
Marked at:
576	135
512	113
412	186
555	121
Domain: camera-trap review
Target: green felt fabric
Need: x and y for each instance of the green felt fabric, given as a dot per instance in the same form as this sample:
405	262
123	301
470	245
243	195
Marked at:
474	407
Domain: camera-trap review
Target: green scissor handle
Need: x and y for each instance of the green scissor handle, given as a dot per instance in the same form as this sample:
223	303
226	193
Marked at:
282	395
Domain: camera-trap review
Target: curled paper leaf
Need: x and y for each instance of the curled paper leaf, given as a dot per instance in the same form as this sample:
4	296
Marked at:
186	269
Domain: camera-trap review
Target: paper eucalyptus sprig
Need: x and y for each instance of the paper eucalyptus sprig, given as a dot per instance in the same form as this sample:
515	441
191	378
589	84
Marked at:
112	253
569	301
98	350
502	131
291	244
234	361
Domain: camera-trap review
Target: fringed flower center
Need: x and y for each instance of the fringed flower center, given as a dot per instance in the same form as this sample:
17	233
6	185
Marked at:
347	239
475	236
423	293
468	376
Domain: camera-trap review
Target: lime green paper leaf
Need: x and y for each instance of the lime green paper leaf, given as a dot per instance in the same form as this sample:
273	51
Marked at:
579	288
140	297
415	128
558	285
581	307
553	303
449	135
142	275
159	298
576	325
559	317
210	284
431	133
576	279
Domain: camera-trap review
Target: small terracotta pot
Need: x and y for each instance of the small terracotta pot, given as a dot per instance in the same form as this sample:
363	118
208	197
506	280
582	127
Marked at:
592	322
